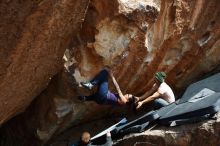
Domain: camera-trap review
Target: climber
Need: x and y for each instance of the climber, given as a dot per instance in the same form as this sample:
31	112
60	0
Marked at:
162	93
103	95
85	140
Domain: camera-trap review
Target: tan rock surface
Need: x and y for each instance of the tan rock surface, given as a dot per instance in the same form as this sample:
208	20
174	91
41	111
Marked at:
180	38
34	36
135	37
107	37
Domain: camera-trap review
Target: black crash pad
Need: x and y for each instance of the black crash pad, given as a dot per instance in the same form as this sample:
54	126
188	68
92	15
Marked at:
211	83
192	108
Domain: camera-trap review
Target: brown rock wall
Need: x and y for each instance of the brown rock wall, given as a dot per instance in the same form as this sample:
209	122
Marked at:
168	39
35	35
135	37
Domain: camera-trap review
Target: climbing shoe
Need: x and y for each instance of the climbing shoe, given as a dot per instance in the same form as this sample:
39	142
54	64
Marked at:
82	98
87	85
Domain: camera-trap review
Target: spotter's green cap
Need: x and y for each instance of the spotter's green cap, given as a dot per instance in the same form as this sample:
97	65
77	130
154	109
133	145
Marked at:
160	76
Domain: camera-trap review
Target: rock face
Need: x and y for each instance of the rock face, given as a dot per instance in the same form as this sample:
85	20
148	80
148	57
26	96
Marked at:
108	37
34	36
135	37
179	37
203	134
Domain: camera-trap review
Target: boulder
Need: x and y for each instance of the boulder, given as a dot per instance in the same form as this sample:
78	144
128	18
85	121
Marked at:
34	36
135	38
